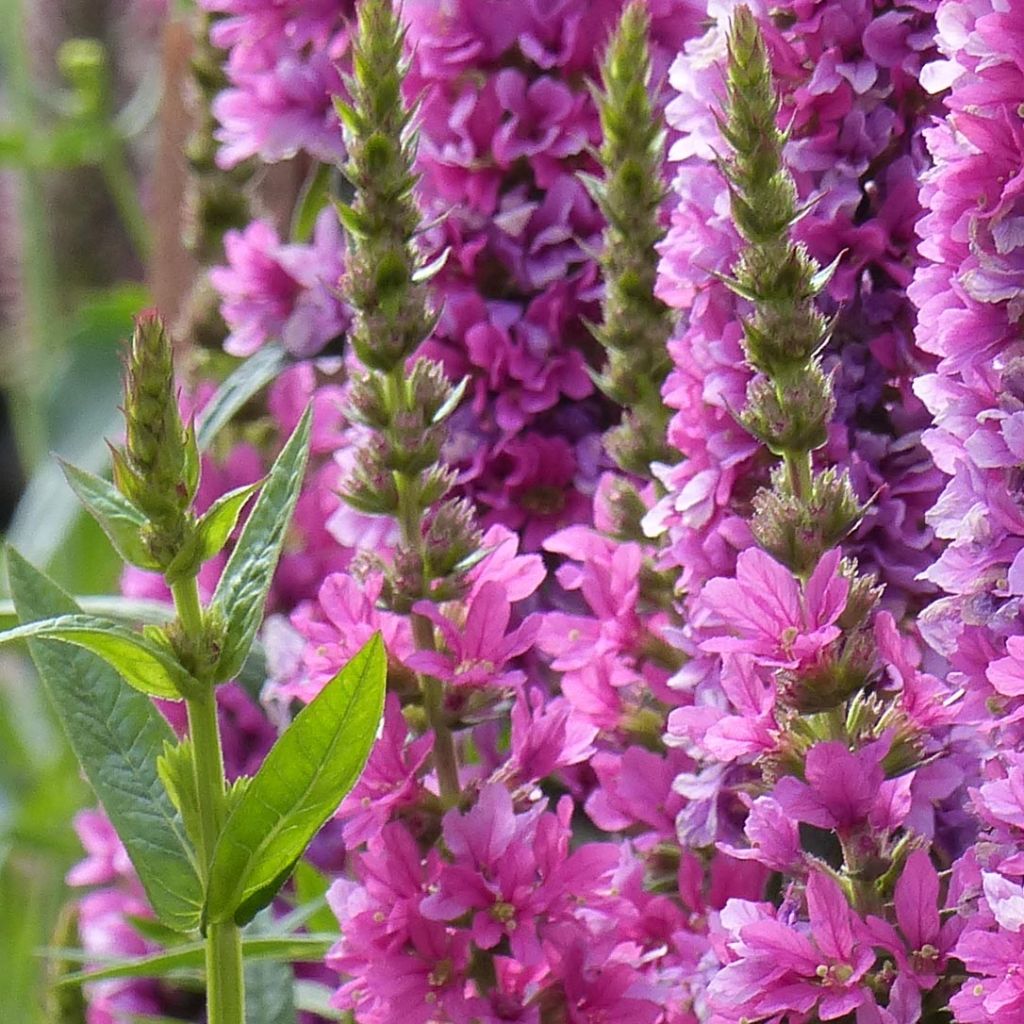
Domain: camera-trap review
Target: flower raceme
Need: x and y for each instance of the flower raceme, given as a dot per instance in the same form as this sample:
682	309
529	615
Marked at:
706	774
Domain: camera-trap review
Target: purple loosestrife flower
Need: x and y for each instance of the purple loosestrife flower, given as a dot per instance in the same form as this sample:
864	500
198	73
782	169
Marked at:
968	296
514	872
282	71
774	617
391	780
848	82
923	943
775	970
477	651
282	292
845	791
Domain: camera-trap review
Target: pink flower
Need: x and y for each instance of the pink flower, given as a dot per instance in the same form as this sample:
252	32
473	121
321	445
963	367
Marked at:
106	859
514	872
282	292
601	982
546	736
926	943
478	650
770	614
389	782
844	790
777	969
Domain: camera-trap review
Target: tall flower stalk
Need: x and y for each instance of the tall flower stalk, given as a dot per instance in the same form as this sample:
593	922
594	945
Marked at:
398	472
209	856
636	324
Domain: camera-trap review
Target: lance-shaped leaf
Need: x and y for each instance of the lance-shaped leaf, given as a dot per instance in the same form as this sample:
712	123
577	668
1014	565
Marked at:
221	518
242	590
307	773
211	533
190	956
245	381
119	519
142	664
117	735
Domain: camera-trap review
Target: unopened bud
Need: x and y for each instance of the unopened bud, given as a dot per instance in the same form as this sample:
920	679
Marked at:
158	470
790	419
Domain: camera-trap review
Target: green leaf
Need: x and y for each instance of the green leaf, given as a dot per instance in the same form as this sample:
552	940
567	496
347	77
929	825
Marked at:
315	997
269	984
311	890
243	586
221	518
244	382
351	219
190	957
126	609
211	533
116	733
315	195
177	771
142	663
307	773
119	519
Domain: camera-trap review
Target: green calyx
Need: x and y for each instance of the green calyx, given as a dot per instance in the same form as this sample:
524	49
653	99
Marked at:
397	470
790	403
383	282
636	324
158	468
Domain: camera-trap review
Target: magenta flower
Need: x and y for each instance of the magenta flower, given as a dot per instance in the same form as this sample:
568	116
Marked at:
777	969
514	872
598	984
729	737
773	835
546	736
282	292
770	614
544	122
390	781
479	650
926	943
844	790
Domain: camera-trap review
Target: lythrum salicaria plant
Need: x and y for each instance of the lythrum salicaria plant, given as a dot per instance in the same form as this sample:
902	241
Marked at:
210	856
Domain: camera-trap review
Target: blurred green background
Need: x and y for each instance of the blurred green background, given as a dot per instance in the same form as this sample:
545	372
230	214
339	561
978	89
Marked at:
80	85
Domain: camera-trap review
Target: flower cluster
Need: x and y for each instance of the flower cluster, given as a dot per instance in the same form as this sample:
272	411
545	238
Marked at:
703	708
854	113
968	292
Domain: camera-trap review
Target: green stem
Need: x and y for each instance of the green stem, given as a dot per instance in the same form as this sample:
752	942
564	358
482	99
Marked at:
409	512
445	760
225	990
798	466
225	983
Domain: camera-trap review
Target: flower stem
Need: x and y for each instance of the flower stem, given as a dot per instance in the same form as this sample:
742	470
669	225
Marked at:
445	760
225	991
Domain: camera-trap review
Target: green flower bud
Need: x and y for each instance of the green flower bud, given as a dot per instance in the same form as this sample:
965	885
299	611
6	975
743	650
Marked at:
451	538
158	469
865	593
794	419
797	531
845	668
637	324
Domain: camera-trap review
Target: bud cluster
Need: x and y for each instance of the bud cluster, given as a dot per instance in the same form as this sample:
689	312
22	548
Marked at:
636	325
158	468
790	403
397	470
